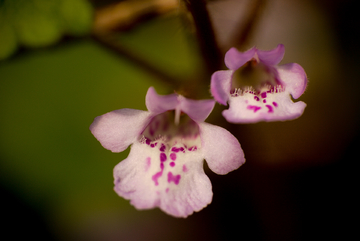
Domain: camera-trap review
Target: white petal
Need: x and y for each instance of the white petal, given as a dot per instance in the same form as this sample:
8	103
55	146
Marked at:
177	185
222	151
117	129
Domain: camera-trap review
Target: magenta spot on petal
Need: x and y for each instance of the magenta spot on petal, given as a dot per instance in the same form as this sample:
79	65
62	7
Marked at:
163	147
263	95
193	148
184	168
163	157
256	98
147	141
156	176
173	156
253	107
264	101
275	104
270	108
172	164
153	144
147	164
172	178
176	149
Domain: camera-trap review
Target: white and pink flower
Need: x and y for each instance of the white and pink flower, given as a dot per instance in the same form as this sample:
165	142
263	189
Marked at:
169	143
257	89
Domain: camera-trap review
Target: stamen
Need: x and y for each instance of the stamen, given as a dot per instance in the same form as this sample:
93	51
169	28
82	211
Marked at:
177	116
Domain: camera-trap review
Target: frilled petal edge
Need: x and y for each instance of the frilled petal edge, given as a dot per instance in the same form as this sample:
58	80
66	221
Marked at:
157	104
234	59
117	129
294	78
220	85
222	151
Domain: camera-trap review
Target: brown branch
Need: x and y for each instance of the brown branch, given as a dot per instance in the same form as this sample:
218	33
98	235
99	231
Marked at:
205	34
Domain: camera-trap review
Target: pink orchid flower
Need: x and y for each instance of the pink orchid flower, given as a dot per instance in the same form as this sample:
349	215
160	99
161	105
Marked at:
257	89
169	143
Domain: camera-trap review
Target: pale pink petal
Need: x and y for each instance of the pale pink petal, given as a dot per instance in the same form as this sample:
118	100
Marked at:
117	129
278	107
157	177
272	57
234	59
157	104
198	110
294	78
222	151
220	85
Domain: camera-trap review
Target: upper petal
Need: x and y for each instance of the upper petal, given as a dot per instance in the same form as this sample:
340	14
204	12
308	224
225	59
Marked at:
234	59
272	57
294	78
160	103
198	110
220	85
117	129
222	151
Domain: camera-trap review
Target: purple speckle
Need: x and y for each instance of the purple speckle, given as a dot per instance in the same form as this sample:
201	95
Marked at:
193	148
147	141
172	178
153	144
184	168
175	149
256	98
270	108
156	176
162	147
253	107
264	101
275	104
163	157
173	156
263	95
172	164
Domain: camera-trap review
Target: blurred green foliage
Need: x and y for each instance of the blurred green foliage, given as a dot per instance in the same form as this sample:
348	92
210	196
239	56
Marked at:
38	23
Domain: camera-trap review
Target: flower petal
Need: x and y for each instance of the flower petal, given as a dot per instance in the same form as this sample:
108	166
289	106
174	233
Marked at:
294	78
149	180
278	107
117	129
272	57
235	59
222	151
220	85
198	110
160	103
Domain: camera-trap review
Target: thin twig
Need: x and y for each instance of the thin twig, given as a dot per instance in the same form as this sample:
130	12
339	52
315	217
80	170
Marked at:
241	37
111	43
